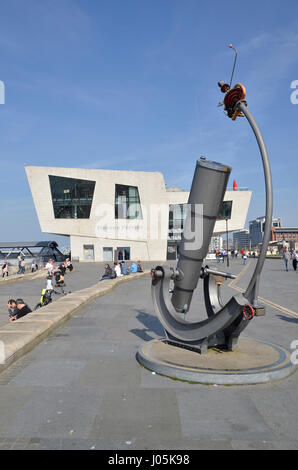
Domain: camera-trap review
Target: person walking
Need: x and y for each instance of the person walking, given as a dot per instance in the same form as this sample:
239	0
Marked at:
33	265
22	266
294	260
19	264
5	269
244	256
286	257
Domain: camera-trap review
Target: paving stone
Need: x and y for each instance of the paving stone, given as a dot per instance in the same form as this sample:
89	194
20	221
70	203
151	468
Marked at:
50	414
220	414
49	373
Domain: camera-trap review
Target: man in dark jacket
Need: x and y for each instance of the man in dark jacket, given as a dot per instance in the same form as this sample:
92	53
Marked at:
22	310
108	274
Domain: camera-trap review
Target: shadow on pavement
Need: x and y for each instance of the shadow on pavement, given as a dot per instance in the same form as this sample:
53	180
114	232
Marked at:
288	319
151	325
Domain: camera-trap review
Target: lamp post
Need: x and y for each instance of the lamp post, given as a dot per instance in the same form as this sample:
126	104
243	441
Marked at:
227	234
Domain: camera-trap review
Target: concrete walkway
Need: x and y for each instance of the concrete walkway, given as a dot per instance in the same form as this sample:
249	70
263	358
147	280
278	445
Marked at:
82	388
21	277
29	287
19	337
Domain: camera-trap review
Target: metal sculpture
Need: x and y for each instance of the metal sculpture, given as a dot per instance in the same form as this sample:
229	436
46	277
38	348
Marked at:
224	322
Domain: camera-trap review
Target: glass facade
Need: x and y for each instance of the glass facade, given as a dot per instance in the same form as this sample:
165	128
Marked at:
256	230
127	202
72	198
123	254
177	216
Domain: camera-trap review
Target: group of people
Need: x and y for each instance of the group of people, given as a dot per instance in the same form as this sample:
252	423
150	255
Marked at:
121	269
21	266
57	274
6	264
51	268
221	255
18	308
290	256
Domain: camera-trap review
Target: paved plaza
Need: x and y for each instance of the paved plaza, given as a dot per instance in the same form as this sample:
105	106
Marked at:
82	388
84	275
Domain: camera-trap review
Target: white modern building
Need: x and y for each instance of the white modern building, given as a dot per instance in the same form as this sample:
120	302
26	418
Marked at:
111	214
216	243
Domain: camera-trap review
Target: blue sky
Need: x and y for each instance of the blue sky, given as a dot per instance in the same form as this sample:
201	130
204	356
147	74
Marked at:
132	85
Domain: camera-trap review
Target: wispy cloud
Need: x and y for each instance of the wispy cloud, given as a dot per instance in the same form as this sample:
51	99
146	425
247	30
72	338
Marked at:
272	55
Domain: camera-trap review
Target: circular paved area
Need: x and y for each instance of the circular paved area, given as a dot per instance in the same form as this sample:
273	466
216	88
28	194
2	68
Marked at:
251	362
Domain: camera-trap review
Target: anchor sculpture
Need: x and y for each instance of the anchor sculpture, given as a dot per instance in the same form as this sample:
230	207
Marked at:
224	322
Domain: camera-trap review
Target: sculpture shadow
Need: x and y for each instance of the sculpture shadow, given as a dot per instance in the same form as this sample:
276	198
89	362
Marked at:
288	319
152	327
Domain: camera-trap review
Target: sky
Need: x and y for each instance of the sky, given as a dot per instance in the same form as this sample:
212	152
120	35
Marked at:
132	85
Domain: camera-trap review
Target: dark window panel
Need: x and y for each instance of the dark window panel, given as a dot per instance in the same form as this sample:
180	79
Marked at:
71	197
225	211
177	216
127	202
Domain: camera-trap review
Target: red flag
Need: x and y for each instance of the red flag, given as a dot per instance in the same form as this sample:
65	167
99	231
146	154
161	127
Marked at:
235	187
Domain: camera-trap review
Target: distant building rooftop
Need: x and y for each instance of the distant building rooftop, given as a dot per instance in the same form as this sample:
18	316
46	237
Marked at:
41	244
46	250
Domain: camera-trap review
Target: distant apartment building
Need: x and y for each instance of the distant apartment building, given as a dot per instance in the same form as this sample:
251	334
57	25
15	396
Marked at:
241	239
256	229
287	235
216	244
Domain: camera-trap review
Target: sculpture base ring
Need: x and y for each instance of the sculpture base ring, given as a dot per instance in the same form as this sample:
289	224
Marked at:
252	362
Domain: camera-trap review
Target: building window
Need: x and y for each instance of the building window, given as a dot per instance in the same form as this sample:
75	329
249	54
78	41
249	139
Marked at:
225	210
123	254
72	198
88	252
127	202
177	216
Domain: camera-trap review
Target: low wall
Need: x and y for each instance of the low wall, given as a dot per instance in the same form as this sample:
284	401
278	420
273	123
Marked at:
21	336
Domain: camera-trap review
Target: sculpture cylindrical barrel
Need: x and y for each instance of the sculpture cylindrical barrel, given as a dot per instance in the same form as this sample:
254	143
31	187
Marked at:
204	203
